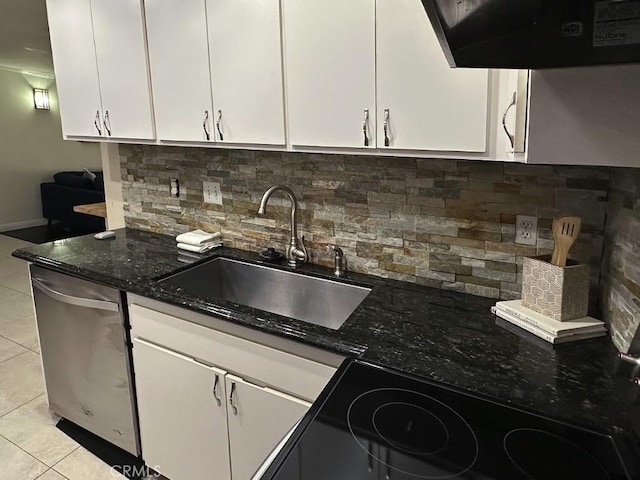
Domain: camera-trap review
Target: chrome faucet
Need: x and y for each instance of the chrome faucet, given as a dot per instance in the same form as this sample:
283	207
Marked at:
340	267
296	253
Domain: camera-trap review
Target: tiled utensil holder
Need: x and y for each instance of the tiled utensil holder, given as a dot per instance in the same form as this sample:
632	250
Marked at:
561	293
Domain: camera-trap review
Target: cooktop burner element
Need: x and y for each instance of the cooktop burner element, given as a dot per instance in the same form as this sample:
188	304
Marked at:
410	428
412	423
376	423
540	454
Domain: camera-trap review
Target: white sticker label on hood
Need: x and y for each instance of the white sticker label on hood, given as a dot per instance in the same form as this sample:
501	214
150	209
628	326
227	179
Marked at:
616	23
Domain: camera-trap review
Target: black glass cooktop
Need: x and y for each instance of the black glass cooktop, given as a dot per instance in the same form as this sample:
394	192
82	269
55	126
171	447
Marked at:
376	423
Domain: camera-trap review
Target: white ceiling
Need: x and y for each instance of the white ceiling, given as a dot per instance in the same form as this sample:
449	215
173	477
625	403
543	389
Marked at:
24	37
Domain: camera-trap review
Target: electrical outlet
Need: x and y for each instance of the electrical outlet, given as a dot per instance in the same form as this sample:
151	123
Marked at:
526	229
175	188
211	193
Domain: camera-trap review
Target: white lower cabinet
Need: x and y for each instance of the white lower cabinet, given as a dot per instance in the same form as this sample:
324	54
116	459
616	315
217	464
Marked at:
183	414
259	417
212	404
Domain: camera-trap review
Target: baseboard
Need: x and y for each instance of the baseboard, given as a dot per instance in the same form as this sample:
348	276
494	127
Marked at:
7	227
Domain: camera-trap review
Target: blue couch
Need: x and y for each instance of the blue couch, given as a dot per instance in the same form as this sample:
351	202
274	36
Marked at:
67	190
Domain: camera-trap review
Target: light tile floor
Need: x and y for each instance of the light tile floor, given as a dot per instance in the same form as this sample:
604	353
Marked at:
31	447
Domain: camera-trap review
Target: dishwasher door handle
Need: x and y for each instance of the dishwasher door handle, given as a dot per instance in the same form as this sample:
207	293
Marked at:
78	301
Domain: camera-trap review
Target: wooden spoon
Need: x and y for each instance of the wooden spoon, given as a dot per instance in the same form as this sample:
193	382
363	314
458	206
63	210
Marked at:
565	232
554	256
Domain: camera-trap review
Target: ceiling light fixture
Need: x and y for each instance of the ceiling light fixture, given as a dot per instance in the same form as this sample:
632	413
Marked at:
41	99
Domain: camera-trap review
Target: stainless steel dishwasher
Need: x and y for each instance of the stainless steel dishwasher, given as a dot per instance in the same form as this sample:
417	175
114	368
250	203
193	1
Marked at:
86	362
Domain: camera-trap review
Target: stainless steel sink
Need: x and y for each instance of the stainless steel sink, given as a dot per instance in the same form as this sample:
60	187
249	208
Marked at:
309	299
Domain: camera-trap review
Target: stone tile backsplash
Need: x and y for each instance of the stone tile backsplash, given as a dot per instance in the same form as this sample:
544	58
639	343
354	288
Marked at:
621	262
444	223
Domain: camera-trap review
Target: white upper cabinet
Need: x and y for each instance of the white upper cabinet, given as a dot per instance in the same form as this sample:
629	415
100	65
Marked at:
74	58
426	104
179	63
118	30
511	121
246	70
330	68
105	93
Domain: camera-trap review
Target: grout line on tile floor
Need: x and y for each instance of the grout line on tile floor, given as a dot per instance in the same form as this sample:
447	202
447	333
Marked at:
37	352
14	290
20	406
63	458
18	354
51	469
25	451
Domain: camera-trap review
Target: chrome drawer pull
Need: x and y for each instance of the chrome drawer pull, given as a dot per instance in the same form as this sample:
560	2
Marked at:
364	127
386	127
232	398
218	125
504	121
216	384
96	122
107	122
204	125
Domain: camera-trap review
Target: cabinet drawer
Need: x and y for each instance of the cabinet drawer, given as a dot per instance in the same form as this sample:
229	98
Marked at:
262	364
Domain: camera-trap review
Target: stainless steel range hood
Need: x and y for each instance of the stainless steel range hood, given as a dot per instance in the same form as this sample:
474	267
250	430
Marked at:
536	33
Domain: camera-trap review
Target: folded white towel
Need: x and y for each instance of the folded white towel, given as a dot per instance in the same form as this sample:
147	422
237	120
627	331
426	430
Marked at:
199	249
183	259
197	237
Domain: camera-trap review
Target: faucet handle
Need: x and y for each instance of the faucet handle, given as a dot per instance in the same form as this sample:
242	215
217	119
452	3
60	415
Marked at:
331	247
340	261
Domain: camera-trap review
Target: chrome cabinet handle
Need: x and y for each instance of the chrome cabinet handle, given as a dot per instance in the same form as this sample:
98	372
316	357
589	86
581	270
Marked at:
370	466
232	401
216	394
218	125
386	127
364	127
107	122
504	121
96	122
204	125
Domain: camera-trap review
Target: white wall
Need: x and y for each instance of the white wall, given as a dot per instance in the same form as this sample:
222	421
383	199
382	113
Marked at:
32	149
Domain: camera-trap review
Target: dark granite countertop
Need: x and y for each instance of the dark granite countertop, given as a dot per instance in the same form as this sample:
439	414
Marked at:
447	336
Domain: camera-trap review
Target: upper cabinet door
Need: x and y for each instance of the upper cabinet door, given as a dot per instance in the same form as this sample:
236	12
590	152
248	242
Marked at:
246	70
179	63
512	97
74	58
430	105
330	72
122	65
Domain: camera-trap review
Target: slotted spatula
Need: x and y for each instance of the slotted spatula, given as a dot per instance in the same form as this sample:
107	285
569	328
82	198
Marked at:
565	231
554	256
